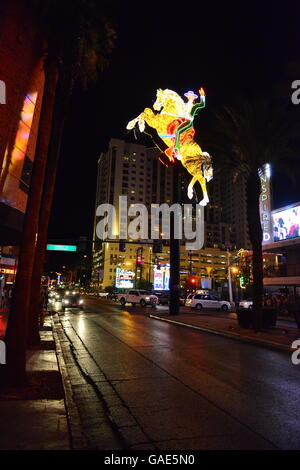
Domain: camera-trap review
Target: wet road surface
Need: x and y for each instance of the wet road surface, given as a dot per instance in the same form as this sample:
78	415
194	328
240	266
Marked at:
186	389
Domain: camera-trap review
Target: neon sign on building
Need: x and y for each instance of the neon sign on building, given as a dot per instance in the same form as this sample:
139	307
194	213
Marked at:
173	120
265	202
124	278
161	278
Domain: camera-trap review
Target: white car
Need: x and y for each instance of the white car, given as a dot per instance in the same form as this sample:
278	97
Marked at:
200	301
246	303
141	297
103	294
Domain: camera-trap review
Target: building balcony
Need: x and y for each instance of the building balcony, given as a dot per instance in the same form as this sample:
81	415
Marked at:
275	271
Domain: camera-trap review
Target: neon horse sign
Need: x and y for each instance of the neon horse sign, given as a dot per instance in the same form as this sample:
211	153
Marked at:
173	121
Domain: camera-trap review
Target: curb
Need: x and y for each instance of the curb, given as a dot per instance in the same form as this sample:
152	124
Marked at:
77	438
264	343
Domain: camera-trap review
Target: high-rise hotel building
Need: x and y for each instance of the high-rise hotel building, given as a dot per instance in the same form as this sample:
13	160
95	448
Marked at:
135	171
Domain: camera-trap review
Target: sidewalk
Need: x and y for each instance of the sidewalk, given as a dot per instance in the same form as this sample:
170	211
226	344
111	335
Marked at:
59	408
34	417
279	338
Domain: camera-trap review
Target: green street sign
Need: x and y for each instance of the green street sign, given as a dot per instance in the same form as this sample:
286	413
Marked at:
61	248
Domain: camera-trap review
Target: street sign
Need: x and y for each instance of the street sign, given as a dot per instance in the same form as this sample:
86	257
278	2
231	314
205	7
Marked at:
61	248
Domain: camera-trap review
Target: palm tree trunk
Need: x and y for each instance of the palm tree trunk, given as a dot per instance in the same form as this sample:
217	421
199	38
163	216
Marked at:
62	99
16	337
255	235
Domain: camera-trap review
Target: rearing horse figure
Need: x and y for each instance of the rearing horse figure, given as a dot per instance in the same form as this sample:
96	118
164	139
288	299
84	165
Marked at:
173	122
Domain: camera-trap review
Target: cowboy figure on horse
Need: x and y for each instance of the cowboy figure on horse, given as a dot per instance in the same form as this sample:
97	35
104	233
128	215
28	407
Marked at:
174	125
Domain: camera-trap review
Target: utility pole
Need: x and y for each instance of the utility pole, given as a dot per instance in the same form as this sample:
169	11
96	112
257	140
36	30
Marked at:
139	263
150	265
174	249
191	263
229	277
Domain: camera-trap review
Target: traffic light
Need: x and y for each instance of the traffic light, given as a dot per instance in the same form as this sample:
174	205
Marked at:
157	246
242	282
122	246
192	281
139	260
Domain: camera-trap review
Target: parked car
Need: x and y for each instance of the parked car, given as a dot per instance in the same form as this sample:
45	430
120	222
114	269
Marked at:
141	297
56	295
163	298
113	296
246	303
72	301
200	301
104	295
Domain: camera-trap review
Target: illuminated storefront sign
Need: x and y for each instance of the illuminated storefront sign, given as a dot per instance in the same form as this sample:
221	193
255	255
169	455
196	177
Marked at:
286	223
206	283
161	278
124	278
173	120
61	247
265	202
7	265
7	271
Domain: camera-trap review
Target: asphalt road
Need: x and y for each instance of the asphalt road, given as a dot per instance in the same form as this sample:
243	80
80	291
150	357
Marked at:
187	389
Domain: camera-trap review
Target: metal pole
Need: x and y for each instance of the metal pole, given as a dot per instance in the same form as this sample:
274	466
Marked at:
141	266
135	277
150	265
174	250
229	278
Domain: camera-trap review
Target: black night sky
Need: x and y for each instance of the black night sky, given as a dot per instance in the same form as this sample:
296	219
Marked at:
225	47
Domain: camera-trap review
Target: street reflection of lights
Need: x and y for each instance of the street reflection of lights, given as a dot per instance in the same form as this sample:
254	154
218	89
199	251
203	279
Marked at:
81	325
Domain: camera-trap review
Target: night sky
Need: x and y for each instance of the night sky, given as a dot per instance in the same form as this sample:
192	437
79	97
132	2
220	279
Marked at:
225	47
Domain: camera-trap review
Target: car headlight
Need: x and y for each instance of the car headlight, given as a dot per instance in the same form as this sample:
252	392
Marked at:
147	298
65	301
81	301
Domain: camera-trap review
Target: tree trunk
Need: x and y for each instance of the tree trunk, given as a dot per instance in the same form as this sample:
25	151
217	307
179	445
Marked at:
16	336
255	235
60	112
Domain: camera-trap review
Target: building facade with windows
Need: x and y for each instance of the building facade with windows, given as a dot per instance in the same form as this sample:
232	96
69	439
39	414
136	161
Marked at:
22	55
131	170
